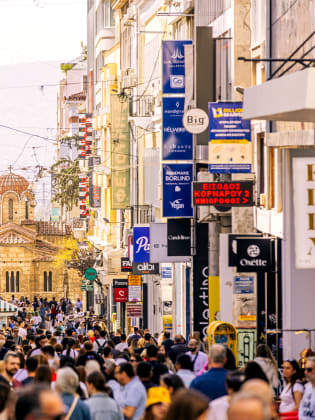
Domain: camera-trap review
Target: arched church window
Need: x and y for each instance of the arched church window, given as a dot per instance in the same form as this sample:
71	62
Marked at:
12	281
47	281
11	209
26	210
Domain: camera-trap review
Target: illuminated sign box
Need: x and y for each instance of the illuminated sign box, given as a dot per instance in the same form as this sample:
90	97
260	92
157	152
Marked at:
225	194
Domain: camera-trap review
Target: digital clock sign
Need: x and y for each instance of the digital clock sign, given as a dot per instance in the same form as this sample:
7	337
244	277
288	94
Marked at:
225	194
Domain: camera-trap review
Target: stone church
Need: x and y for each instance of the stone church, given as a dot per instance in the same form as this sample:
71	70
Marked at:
28	247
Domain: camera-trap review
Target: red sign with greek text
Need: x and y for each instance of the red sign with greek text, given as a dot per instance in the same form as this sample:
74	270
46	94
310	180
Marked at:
225	194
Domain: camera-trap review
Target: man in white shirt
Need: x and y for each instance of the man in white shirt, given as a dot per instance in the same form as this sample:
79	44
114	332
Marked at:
307	405
198	358
122	345
22	330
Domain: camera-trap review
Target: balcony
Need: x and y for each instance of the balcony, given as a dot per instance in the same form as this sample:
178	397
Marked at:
141	106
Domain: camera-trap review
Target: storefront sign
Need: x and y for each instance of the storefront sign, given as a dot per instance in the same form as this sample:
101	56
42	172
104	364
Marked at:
94	161
178	237
177	142
134	310
226	194
85	135
145	268
125	265
304	211
167	273
243	284
95	196
230	148
120	290
177	181
120	153
141	244
173	56
254	255
232	244
134	288
195	120
158	252
83	196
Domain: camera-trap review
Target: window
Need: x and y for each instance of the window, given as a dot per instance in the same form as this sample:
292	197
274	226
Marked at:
12	281
11	209
104	16
26	210
223	68
47	281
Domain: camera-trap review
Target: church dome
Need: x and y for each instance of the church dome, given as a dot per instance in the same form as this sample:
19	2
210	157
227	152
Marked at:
13	182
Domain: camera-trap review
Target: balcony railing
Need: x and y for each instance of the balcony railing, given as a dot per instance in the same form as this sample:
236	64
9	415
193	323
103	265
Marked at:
141	215
141	106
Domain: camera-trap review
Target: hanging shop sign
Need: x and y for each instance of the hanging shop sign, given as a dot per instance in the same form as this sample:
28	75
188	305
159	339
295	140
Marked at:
83	196
125	265
304	211
120	290
195	120
225	194
178	237
177	141
120	153
134	288
141	244
85	135
94	161
232	246
134	310
230	147
94	195
177	182
254	254
167	272
173	72
145	268
158	244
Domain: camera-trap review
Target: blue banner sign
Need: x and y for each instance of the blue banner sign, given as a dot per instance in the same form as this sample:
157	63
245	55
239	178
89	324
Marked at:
173	56
177	184
230	148
243	285
141	244
177	142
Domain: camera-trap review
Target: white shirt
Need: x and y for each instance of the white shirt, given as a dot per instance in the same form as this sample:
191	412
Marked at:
121	346
287	400
22	332
218	409
199	360
307	406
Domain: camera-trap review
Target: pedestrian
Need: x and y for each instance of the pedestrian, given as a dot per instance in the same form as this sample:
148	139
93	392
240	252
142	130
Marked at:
100	404
167	341
31	366
188	404
262	390
307	405
212	383
43	375
267	362
158	367
158	402
178	348
67	383
184	369
144	372
293	390
133	396
11	366
247	406
123	343
172	383
254	371
198	358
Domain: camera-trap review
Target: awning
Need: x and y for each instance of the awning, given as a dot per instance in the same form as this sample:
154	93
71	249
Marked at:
288	98
7	307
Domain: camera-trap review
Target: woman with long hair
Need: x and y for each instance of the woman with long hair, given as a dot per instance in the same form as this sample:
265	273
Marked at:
267	362
293	390
69	350
172	382
188	404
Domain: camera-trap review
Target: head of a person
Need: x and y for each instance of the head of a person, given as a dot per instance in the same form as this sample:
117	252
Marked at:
11	363
124	373
67	380
92	366
171	382
230	363
263	350
15	331
43	341
88	346
183	361
31	364
248	406
217	355
177	339
234	380
147	336
69	332
310	370
158	402
254	371
261	389
107	352
43	374
123	338
193	345
144	371
38	402
48	351
291	371
95	382
152	351
187	404
167	335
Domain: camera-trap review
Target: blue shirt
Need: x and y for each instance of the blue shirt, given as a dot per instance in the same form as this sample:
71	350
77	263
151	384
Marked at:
211	383
134	395
81	411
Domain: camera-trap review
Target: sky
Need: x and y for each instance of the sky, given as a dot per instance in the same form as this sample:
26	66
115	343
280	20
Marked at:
35	37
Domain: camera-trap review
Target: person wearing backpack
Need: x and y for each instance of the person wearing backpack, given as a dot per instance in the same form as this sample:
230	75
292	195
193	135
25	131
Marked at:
293	390
99	342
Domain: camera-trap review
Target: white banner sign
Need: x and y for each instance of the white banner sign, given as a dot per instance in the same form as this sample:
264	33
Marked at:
158	244
304	211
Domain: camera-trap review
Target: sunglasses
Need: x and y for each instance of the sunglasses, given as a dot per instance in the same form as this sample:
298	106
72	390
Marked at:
133	360
308	369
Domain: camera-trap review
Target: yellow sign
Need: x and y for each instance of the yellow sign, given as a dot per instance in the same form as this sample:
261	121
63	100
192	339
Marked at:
134	280
214	297
167	323
247	318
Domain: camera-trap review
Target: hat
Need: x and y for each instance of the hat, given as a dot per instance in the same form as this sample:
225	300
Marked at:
157	395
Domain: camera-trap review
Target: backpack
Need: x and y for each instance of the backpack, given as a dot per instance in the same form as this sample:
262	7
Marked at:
100	347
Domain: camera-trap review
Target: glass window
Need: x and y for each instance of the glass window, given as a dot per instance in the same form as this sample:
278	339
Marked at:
12	282
11	209
47	281
7	282
17	281
26	210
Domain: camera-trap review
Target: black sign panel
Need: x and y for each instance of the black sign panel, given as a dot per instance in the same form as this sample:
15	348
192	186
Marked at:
226	194
120	283
178	237
232	246
145	268
254	255
125	265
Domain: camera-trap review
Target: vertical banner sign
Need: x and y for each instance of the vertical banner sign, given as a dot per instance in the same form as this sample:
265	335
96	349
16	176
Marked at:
134	288
120	153
173	72
120	290
141	244
177	185
158	245
178	237
230	147
177	142
83	195
85	135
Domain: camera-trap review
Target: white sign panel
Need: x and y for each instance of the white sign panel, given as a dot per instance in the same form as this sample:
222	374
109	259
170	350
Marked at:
304	211
158	244
195	120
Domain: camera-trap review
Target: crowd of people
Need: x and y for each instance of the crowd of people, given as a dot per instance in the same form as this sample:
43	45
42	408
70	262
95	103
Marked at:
54	367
